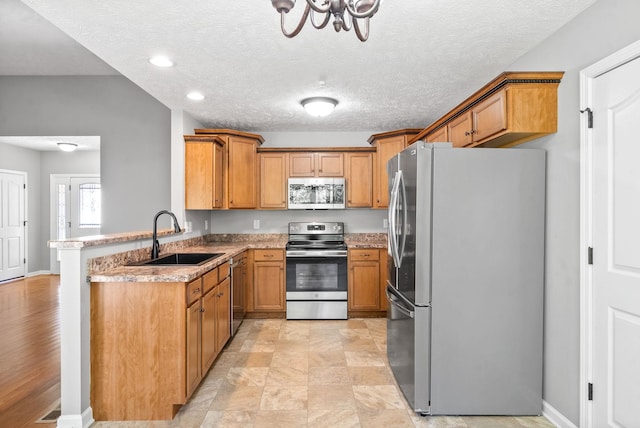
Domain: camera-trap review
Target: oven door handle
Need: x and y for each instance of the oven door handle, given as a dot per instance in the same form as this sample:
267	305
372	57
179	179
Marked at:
323	254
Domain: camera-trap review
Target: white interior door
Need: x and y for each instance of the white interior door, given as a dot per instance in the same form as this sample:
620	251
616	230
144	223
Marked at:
12	225
616	247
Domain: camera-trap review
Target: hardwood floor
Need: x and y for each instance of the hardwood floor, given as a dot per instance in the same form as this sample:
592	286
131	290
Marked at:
29	350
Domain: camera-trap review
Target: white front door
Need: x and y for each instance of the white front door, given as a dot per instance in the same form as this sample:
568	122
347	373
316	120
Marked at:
616	247
12	225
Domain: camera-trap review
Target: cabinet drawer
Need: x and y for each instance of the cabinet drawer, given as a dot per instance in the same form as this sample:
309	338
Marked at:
223	271
268	255
194	291
209	280
364	254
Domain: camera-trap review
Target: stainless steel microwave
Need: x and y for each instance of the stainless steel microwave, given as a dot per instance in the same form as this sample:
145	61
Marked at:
316	193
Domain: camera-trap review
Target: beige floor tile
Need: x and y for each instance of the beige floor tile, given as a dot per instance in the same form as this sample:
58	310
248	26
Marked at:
491	422
292	345
377	397
251	359
247	376
325	344
346	418
384	418
266	334
327	325
228	419
231	397
355	333
281	419
258	345
438	421
297	359
288	376
370	376
352	345
534	421
327	397
355	323
294	334
284	398
329	376
364	359
327	359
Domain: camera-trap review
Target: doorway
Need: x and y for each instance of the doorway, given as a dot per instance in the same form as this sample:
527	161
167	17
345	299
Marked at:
76	207
610	232
13	225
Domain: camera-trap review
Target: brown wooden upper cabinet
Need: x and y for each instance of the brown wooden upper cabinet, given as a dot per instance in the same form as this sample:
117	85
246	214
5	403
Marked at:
273	180
513	108
239	181
359	179
204	172
316	164
387	145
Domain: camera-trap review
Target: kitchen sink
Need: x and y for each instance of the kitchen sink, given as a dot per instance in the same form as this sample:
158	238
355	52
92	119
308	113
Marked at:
181	259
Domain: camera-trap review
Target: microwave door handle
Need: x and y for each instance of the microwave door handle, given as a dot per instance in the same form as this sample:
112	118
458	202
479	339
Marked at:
393	210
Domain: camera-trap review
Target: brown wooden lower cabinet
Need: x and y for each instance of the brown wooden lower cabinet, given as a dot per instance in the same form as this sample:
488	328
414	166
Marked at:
152	343
366	276
267	294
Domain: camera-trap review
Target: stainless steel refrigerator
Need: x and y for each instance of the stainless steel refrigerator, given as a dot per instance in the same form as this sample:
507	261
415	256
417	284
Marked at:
466	274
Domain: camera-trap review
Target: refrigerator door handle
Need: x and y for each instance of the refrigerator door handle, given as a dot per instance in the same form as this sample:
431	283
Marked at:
395	302
393	210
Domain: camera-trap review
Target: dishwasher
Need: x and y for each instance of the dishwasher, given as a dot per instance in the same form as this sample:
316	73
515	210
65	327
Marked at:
238	286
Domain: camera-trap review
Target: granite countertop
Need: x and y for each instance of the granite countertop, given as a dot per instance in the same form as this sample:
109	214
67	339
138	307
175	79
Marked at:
117	269
183	273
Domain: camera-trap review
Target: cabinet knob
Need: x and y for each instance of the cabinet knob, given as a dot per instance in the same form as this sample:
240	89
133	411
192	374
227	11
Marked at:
201	309
467	133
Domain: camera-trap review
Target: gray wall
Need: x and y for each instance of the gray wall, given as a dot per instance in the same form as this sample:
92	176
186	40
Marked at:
25	160
604	28
134	130
356	220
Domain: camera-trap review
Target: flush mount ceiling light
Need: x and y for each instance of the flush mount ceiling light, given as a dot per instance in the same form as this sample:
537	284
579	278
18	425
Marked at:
195	96
161	61
67	147
319	106
346	14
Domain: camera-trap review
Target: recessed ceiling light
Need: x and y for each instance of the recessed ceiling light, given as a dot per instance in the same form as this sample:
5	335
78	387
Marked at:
67	147
195	96
161	61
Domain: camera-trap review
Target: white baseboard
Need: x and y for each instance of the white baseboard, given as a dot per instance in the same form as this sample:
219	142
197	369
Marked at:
38	272
555	417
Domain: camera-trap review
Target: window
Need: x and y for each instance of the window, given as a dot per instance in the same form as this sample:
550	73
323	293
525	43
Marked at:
89	205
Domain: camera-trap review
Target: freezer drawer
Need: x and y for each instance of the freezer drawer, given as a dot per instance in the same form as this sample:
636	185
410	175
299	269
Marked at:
408	331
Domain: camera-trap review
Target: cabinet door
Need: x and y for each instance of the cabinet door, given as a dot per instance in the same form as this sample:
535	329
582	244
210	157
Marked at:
268	286
223	313
459	130
386	149
193	347
383	279
198	175
439	135
302	165
359	180
364	286
243	169
209	349
489	117
330	165
273	180
218	177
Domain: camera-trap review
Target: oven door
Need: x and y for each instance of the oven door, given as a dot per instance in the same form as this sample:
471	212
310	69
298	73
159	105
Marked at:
325	278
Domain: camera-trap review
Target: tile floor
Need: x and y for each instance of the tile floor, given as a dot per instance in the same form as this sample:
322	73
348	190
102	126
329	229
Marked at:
278	373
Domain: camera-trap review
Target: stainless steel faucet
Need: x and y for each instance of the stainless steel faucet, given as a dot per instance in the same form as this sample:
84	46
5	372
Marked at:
155	248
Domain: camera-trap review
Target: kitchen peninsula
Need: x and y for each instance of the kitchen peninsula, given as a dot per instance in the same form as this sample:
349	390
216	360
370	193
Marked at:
159	342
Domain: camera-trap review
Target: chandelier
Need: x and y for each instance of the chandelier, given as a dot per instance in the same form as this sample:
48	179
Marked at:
346	14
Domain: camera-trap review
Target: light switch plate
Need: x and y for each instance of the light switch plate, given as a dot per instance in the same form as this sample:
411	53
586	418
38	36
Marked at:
385	223
256	224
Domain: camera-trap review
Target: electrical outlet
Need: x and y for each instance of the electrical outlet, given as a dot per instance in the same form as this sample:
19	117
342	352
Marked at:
206	225
256	224
385	223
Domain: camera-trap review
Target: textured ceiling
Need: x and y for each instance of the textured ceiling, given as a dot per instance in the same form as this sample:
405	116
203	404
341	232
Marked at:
422	57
